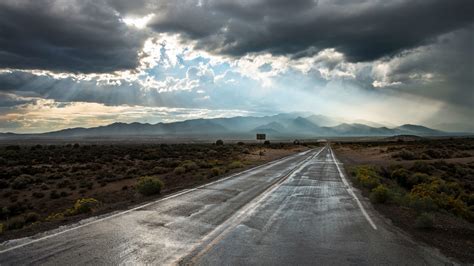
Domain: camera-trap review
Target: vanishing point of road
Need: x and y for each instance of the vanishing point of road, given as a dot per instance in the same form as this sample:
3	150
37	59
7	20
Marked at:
299	210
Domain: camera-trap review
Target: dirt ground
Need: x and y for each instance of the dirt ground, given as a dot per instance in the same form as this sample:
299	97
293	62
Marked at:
39	183
451	234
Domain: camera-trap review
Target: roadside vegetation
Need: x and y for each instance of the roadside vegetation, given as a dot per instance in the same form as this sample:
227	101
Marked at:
425	186
42	186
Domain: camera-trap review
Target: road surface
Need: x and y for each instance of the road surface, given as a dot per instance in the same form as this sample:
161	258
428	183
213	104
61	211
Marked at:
299	210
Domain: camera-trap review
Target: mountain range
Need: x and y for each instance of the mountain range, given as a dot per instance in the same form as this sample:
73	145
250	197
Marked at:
286	125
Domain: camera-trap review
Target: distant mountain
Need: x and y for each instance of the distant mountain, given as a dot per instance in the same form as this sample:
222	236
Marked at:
359	130
289	125
271	127
323	121
408	129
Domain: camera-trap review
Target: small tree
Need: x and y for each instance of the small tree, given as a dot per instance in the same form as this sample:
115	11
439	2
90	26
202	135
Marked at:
219	142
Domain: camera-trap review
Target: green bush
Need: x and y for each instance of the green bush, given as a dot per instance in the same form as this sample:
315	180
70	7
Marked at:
422	204
56	216
416	179
235	164
436	191
401	175
189	166
148	185
85	205
179	170
424	221
367	177
215	171
380	194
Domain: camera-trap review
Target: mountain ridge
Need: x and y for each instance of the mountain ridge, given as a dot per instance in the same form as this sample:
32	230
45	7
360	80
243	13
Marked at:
285	125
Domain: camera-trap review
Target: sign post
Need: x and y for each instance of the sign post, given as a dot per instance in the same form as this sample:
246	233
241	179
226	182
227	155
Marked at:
261	137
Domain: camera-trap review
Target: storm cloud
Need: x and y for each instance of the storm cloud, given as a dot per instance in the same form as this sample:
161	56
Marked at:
71	36
362	30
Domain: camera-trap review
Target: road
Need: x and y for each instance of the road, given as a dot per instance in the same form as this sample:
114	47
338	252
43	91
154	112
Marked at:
299	210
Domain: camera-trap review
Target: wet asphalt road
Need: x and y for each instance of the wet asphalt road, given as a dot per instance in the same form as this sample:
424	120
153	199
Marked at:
299	210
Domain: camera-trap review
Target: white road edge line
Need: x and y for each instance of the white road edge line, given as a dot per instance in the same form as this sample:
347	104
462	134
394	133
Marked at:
147	204
349	189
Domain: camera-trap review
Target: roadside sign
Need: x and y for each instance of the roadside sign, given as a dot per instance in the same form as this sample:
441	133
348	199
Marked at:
261	136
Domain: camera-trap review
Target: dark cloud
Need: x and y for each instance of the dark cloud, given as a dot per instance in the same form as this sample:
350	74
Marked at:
363	30
443	71
73	36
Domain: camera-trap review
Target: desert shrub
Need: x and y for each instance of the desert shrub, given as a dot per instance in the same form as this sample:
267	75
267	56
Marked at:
31	217
148	185
215	171
85	205
246	151
401	175
235	164
204	164
179	170
261	153
189	166
380	194
240	143
424	221
219	142
405	155
367	177
22	181
266	142
55	217
416	179
16	223
422	167
433	191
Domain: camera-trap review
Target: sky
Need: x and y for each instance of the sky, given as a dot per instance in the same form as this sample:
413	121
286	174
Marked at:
85	63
